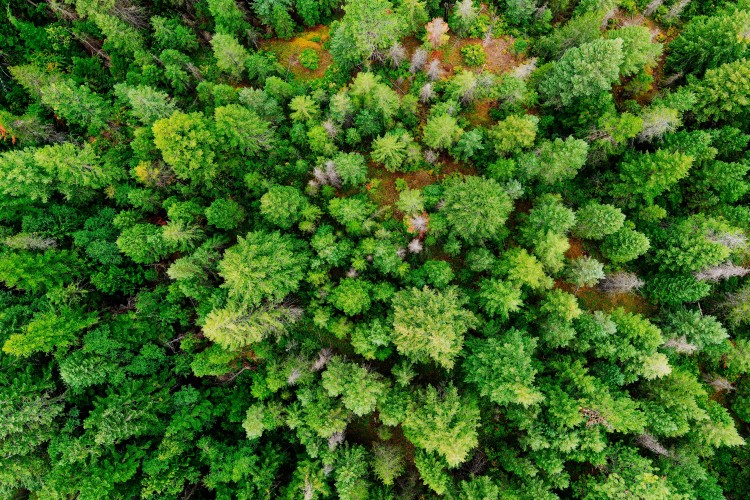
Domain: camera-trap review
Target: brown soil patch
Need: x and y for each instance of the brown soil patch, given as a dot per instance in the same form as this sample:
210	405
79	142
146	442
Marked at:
594	300
288	52
499	57
576	249
479	115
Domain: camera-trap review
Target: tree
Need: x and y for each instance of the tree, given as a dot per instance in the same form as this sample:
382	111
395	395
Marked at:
352	296
465	15
499	298
230	55
147	104
583	72
367	26
651	174
638	51
187	145
351	167
476	208
503	368
625	245
437	32
442	132
77	170
560	159
388	462
595	221
225	214
77	105
695	244
708	42
228	17
49	331
21	176
359	388
304	109
549	216
396	150
586	271
410	201
351	212
243	130
262	266
430	324
522	268
443	422
514	134
282	206
723	94
143	243
234	328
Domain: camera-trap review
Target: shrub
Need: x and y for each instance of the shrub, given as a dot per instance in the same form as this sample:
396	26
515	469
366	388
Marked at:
310	59
473	55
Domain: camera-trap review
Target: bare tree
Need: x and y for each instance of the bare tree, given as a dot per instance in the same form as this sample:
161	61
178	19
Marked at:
335	439
649	442
418	59
652	6
426	92
681	345
434	70
621	282
718	383
396	54
437	31
657	122
676	9
720	272
324	356
415	246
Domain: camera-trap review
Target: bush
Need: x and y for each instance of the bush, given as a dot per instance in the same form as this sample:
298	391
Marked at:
310	59
473	55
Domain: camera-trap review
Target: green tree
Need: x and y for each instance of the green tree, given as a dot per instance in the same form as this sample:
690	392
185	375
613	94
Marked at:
476	208
243	130
651	174
367	26
625	245
514	134
430	324
499	298
228	17
187	145
708	42
359	388
143	243
233	328
638	51
282	206
723	95
442	132
503	368
230	55
352	296
147	104
77	105
595	221
263	265
443	422
225	214
583	72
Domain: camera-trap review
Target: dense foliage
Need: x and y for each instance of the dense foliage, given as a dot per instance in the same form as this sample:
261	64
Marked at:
375	249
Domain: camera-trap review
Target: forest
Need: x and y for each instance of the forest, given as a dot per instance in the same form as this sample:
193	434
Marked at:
375	249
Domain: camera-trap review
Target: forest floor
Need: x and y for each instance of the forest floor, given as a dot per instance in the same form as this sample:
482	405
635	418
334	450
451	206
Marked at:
288	51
